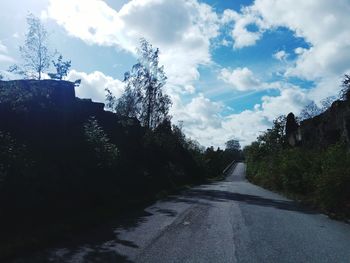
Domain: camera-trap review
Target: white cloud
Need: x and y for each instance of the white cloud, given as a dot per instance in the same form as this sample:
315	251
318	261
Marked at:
93	85
4	57
299	50
180	28
291	99
241	79
281	55
242	36
3	48
203	120
321	23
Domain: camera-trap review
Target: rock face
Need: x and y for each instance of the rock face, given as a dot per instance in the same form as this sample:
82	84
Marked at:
49	94
292	130
46	111
327	128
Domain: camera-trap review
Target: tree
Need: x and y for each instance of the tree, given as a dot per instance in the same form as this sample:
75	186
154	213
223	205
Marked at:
106	152
233	145
35	51
345	91
326	103
143	97
311	110
274	139
62	68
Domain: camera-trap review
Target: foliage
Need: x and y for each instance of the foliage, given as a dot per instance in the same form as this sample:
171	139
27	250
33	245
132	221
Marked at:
106	151
233	145
143	97
321	177
14	159
62	68
35	52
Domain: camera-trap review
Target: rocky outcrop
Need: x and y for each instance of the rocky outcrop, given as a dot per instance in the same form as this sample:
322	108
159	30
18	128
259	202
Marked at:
327	128
21	95
292	130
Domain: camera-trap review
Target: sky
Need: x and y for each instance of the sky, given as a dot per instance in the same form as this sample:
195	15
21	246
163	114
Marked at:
233	66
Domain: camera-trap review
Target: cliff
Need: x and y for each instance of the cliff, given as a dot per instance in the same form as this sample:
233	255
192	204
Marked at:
327	128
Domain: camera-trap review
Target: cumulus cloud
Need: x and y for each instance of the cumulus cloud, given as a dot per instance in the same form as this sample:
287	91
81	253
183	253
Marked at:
177	27
242	36
93	85
282	55
321	23
203	120
241	79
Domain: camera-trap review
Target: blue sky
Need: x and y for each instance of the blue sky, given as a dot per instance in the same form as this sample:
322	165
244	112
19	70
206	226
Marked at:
232	66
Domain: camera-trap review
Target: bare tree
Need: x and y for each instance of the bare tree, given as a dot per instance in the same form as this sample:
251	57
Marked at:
35	51
311	110
326	103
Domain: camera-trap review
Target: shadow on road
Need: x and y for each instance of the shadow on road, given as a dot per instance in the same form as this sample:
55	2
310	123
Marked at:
224	196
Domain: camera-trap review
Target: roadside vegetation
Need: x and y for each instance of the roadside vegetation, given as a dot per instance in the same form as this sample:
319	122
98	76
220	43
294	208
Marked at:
64	169
318	174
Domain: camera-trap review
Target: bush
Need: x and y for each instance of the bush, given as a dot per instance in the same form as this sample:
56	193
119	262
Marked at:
333	185
320	177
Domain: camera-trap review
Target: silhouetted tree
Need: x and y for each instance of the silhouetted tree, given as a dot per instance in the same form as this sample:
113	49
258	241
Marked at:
233	145
35	51
62	68
143	97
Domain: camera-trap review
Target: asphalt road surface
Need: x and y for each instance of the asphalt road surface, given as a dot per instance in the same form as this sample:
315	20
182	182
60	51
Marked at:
228	221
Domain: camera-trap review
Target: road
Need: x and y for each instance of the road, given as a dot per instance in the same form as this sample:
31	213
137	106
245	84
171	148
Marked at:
228	221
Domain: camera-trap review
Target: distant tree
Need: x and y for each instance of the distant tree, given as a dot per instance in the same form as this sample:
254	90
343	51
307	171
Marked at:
62	68
309	111
35	52
345	91
143	97
233	145
327	103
